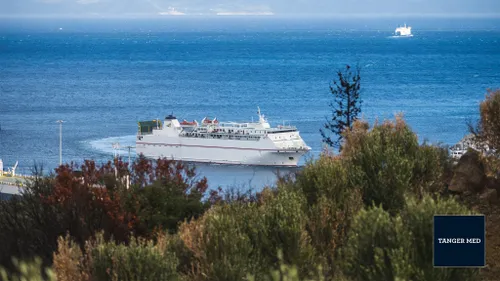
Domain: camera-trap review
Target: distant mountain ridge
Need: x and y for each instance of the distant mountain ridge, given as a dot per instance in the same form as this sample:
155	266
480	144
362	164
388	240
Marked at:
127	7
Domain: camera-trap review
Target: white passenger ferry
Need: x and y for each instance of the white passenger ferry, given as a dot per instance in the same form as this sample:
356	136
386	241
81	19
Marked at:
211	141
403	31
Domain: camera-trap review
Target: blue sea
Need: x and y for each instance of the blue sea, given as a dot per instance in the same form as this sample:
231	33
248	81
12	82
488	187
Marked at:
101	76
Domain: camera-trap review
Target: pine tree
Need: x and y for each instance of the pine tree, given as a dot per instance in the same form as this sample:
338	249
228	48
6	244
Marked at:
346	106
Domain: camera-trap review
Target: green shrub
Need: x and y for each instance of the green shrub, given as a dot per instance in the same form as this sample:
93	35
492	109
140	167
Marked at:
283	219
432	169
140	260
233	240
332	201
388	163
487	129
328	176
418	220
377	248
383	247
287	273
284	228
28	271
221	249
164	205
173	243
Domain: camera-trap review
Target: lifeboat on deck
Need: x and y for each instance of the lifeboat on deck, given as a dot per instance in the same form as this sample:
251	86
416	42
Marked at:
187	123
207	121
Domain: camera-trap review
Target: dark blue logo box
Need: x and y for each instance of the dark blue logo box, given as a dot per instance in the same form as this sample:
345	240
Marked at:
459	241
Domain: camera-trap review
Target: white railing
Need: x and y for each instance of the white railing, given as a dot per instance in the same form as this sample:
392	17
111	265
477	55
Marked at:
11	183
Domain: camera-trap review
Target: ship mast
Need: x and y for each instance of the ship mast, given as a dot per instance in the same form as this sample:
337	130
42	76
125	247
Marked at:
261	117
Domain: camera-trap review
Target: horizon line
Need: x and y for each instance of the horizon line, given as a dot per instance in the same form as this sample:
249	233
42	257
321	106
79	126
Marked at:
256	15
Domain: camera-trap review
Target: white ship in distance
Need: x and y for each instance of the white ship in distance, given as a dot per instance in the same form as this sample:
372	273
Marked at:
403	31
211	141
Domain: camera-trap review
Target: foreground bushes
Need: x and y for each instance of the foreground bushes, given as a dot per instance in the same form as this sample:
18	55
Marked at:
487	131
363	215
382	247
387	162
333	198
324	216
140	260
231	241
28	271
83	202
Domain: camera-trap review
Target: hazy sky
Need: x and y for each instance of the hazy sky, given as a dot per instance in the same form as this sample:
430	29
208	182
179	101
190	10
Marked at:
278	7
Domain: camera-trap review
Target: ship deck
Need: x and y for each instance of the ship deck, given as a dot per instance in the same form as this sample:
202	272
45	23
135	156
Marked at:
10	186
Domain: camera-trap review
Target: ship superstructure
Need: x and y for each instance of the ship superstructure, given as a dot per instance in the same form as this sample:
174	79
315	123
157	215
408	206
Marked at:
403	31
212	141
468	142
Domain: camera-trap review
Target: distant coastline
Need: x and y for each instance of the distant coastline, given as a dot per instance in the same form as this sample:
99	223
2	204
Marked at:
245	14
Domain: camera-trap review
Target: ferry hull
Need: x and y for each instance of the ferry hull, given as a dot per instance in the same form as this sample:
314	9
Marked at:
222	154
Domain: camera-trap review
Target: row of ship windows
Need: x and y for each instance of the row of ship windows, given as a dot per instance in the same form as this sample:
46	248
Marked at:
232	131
158	145
222	136
238	132
235	136
280	137
230	137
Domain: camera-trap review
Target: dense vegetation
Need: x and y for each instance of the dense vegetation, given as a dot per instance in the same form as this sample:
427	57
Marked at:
363	214
487	130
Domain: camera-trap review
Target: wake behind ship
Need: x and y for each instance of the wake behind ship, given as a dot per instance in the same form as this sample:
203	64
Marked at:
221	143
